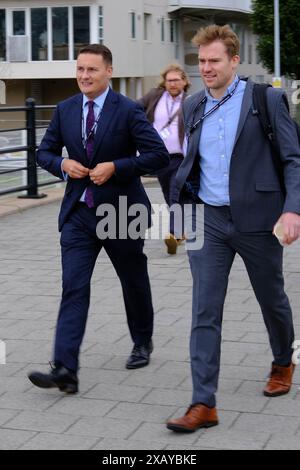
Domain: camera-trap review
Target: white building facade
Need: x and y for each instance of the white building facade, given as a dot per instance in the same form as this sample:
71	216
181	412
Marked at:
40	39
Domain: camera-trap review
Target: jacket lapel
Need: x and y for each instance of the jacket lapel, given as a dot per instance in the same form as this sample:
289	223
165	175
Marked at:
107	115
76	126
246	106
195	136
194	139
154	102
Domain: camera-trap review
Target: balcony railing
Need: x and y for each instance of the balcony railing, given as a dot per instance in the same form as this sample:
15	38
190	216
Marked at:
11	163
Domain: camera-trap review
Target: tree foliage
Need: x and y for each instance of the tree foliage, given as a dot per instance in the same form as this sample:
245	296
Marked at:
263	26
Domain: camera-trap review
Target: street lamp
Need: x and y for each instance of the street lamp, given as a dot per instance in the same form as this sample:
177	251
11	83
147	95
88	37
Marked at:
277	79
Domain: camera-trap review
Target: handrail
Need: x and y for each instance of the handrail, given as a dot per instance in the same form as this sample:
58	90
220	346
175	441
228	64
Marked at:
31	168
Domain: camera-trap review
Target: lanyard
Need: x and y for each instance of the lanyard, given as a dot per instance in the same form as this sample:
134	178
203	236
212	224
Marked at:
193	126
169	112
83	134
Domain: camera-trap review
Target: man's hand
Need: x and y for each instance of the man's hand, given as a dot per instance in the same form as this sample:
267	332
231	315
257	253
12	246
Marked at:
74	169
102	173
291	227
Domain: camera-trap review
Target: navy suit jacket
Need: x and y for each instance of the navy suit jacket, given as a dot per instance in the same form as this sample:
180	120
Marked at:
123	130
257	199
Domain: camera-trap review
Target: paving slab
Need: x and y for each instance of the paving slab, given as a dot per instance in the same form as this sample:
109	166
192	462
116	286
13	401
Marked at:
117	408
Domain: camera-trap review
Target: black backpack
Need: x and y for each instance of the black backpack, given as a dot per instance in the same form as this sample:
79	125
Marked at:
260	107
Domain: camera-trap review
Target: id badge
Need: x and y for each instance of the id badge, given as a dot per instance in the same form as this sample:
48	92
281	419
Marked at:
165	133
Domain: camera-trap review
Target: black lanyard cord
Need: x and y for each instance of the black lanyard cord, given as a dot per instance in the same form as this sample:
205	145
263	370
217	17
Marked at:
193	126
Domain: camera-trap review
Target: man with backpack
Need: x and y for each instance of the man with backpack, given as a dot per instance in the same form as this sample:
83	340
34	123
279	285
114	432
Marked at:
243	164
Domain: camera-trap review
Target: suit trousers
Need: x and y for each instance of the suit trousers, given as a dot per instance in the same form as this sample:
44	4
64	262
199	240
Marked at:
167	181
80	248
210	266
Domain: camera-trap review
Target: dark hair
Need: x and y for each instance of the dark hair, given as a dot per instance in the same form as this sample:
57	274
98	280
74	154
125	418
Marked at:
98	49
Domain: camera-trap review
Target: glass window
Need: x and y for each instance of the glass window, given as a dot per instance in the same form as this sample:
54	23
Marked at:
242	41
241	32
101	31
19	23
147	26
191	59
81	20
60	33
173	31
39	34
2	36
258	58
250	53
133	25
162	22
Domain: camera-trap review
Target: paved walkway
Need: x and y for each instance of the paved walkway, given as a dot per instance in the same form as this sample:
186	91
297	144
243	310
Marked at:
116	408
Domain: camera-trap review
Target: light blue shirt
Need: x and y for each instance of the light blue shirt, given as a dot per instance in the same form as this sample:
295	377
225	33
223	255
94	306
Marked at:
98	105
216	146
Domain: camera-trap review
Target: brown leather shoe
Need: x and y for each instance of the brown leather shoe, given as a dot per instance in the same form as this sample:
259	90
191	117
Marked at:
196	417
280	381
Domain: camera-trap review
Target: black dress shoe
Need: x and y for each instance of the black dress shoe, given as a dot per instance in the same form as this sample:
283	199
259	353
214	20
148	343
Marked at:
59	377
140	356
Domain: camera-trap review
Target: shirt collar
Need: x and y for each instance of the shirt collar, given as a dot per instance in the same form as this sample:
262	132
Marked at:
229	90
99	101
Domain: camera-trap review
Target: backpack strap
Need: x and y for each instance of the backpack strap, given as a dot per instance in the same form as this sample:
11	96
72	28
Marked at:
260	108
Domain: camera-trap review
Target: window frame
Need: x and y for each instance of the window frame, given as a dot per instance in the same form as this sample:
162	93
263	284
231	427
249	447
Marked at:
101	27
18	10
48	35
163	29
5	35
8	11
52	35
133	24
148	26
73	25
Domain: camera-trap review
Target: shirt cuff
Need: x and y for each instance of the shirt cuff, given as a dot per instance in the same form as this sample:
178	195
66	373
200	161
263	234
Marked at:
64	174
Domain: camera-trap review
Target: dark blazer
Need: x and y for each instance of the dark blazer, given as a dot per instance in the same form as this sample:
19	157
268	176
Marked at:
123	130
149	103
256	197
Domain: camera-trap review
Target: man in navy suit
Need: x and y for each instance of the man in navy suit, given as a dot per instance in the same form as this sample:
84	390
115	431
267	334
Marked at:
102	131
231	169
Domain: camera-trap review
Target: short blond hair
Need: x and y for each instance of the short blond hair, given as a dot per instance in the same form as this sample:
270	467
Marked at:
224	34
174	68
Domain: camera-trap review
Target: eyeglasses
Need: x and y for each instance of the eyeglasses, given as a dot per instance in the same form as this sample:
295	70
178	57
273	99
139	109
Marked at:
176	80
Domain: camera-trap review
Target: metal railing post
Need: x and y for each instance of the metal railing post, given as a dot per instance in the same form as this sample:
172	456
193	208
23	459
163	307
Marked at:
30	181
32	178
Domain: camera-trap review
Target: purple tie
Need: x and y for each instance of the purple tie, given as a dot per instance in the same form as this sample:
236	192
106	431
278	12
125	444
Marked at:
90	121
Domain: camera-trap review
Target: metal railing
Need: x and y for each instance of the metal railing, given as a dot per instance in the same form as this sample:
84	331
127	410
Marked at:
32	183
